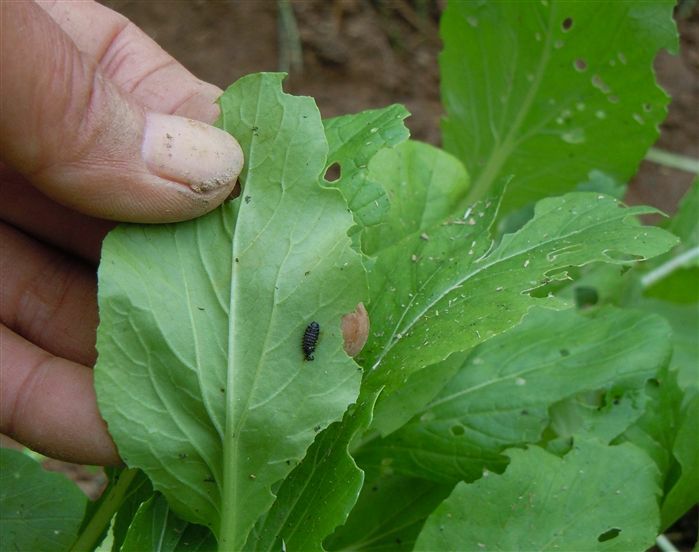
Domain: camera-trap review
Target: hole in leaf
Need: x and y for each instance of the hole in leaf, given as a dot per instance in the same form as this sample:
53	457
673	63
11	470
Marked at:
333	173
609	535
564	352
567	23
580	65
585	296
622	257
647	107
457	430
235	192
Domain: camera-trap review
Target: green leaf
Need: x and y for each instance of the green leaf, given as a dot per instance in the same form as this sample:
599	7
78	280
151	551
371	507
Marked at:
353	140
674	276
597	181
155	527
685	224
201	376
595	498
684	320
433	297
667	433
502	393
389	514
546	91
327	476
139	491
107	519
684	492
602	414
39	510
423	185
396	409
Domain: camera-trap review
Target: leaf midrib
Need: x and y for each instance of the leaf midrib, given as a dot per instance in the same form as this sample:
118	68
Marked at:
500	156
622	215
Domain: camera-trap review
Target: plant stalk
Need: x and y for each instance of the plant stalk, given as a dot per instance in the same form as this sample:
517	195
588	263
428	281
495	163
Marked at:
664	544
668	267
673	160
88	538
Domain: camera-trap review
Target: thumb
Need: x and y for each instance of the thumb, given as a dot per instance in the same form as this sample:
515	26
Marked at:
88	145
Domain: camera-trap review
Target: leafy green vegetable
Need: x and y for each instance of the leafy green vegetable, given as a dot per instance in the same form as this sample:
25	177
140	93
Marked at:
684	487
546	90
464	269
201	376
684	320
423	184
126	490
389	514
501	395
595	498
674	276
39	510
436	296
327	476
353	140
156	528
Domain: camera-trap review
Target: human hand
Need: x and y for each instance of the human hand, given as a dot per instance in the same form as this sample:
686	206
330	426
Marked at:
86	131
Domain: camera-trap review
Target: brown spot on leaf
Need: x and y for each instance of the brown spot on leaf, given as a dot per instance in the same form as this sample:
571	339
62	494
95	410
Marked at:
355	330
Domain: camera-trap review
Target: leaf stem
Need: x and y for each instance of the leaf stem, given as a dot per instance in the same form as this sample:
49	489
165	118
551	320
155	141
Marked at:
668	267
673	160
88	539
664	544
291	52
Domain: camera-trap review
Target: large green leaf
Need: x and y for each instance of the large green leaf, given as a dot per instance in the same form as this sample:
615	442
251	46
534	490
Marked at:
548	90
595	498
201	376
447	289
502	394
39	510
156	528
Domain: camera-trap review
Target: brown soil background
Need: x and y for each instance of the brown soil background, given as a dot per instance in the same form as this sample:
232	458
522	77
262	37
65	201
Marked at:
362	54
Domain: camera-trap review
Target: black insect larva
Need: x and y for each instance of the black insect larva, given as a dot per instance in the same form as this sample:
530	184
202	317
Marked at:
310	338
